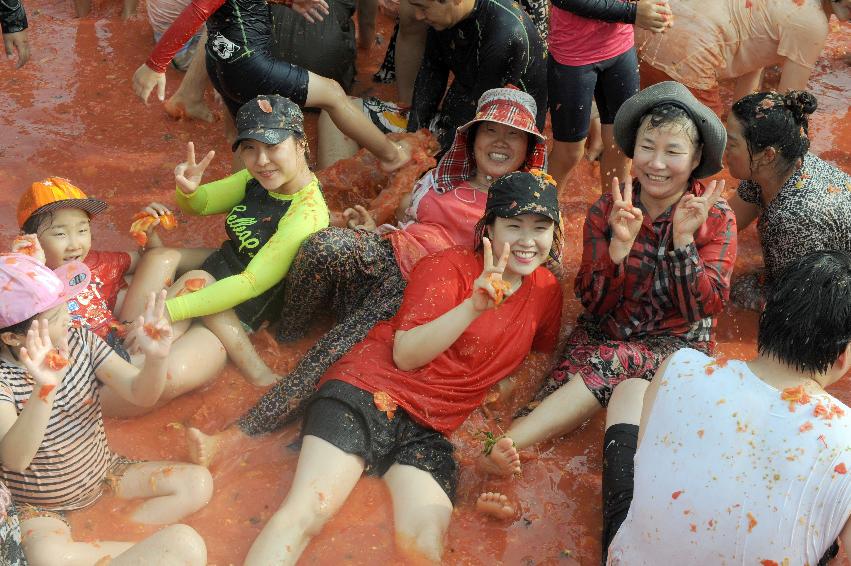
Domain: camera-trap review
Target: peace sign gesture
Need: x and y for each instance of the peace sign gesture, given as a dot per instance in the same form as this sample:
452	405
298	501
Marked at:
490	289
624	219
692	211
188	174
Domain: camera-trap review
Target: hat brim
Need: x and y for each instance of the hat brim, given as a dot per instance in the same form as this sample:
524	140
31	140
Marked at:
529	130
712	131
75	277
271	136
91	205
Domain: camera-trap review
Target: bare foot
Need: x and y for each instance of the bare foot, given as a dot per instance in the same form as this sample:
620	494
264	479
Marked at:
403	156
496	505
264	379
202	447
179	108
503	460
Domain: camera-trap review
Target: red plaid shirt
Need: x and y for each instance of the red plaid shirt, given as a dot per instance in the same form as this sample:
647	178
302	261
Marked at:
657	289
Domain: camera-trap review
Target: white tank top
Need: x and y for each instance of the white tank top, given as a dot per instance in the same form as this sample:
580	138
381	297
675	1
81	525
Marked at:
729	473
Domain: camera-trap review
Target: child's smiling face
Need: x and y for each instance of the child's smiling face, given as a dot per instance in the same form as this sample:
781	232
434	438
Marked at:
65	236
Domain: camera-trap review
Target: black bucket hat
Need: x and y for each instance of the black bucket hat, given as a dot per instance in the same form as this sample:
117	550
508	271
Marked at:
712	132
520	192
268	118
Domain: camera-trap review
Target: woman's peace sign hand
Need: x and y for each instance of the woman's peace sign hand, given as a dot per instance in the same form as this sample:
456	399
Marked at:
490	289
624	219
692	211
188	174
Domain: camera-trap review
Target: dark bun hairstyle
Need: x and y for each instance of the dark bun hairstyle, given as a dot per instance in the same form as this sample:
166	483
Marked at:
771	119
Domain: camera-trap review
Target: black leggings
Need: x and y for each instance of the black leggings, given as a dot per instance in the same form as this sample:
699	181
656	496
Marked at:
571	90
354	275
240	81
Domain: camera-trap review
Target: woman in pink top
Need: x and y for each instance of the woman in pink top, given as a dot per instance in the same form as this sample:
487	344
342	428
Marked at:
360	273
592	57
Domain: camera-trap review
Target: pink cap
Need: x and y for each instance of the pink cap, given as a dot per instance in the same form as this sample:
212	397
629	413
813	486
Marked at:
28	287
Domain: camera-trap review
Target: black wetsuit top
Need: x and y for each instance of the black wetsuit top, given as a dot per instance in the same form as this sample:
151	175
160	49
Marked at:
12	16
239	29
496	45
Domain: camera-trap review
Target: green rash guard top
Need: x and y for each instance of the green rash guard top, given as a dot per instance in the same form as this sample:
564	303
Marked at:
265	231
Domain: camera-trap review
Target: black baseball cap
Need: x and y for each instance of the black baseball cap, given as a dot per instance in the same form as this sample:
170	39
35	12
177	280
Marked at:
268	118
519	193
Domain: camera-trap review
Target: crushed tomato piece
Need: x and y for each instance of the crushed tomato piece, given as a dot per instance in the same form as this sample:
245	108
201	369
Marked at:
153	332
795	396
752	522
44	391
500	286
806	426
26	247
55	361
192	285
676	494
385	403
840	468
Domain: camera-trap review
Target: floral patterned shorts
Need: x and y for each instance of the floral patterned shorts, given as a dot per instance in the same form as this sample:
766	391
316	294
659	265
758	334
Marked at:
602	362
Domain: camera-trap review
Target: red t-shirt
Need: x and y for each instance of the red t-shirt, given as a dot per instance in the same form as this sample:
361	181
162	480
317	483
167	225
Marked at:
577	41
443	220
442	393
93	307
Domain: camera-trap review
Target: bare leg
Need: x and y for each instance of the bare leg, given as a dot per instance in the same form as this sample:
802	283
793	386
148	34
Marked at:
564	158
196	358
333	145
562	412
324	477
188	100
626	402
228	329
503	460
594	142
129	9
329	96
157	269
496	505
421	511
613	163
48	542
366	23
82	7
410	46
175	490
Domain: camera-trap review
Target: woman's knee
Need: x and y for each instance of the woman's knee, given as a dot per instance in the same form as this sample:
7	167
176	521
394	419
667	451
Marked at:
198	274
166	257
45	541
184	543
196	485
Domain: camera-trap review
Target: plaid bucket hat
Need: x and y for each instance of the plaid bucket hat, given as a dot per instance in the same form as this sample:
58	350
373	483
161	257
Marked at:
509	106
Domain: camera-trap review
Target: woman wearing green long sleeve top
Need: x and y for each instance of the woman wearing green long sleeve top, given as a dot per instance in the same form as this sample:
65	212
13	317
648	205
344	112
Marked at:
272	206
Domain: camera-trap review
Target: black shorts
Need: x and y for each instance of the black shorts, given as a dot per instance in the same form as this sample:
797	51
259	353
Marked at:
240	81
346	416
253	312
571	90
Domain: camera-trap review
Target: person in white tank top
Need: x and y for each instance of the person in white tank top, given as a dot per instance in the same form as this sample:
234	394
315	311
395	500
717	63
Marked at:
740	462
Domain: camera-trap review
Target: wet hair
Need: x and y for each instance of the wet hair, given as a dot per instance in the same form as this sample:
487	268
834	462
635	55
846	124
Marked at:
672	115
531	143
770	119
490	218
42	220
806	323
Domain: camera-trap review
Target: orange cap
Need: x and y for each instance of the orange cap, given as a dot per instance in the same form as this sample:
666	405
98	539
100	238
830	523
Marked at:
54	193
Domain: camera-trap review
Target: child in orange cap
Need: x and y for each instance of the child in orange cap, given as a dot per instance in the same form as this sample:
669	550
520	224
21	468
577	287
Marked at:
58	214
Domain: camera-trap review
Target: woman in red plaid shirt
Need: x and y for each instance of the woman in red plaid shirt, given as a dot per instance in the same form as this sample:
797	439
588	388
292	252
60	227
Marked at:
656	264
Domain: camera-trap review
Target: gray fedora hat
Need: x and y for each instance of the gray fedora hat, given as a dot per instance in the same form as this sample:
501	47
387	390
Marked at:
712	132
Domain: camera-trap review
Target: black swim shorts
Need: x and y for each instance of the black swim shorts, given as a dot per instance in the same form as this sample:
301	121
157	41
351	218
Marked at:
346	416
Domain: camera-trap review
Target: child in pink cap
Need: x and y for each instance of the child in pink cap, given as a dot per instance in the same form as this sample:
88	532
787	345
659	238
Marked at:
53	448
